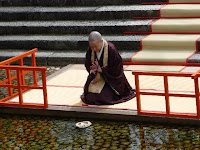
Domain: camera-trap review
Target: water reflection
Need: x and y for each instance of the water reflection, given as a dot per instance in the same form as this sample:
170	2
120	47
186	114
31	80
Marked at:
26	132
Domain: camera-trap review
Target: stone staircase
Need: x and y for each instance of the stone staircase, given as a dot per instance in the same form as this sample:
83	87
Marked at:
59	28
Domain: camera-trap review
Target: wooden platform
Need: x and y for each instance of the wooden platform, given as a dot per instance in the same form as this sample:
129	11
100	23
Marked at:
65	87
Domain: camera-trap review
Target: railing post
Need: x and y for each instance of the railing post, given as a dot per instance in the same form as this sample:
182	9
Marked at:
167	95
137	89
19	87
21	63
44	89
10	90
34	72
196	83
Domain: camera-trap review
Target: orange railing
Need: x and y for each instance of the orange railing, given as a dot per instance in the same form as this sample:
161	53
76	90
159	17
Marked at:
20	76
166	92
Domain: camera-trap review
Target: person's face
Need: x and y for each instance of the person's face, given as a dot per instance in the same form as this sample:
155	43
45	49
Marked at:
96	45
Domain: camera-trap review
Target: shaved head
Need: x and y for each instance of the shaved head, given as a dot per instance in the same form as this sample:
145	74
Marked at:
95	36
95	41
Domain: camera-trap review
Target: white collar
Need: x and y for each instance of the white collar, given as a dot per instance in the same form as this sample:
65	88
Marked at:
100	52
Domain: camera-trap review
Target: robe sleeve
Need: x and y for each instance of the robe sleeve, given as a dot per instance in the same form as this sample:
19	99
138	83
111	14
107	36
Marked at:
87	66
113	73
88	60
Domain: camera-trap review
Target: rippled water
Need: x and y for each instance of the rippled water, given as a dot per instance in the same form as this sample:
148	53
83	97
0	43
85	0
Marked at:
41	133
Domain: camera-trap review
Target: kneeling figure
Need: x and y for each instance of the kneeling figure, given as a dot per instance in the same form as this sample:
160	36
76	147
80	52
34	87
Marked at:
106	83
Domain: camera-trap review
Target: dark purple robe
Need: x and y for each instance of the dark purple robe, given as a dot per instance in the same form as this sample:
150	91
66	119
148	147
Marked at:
116	89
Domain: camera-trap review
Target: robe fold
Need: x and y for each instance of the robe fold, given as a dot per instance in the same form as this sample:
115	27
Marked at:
116	88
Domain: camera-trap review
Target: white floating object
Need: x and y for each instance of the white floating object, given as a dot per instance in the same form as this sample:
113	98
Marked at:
83	124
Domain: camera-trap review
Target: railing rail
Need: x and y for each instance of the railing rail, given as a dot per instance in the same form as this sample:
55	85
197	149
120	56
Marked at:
166	93
162	63
20	76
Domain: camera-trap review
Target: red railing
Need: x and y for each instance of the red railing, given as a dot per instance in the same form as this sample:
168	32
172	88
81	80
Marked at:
166	92
20	76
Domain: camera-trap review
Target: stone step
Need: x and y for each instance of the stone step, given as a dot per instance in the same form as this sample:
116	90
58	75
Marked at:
53	58
66	42
63	59
60	58
74	27
78	13
60	3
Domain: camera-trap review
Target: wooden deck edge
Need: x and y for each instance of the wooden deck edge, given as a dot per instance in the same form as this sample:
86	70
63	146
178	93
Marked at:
96	113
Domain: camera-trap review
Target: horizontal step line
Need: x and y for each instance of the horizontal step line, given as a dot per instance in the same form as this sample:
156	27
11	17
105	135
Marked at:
163	3
163	17
104	9
160	33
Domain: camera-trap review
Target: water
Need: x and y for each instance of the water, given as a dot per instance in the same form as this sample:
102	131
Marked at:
42	133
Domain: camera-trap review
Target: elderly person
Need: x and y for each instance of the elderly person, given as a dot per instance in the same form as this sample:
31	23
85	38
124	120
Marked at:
106	83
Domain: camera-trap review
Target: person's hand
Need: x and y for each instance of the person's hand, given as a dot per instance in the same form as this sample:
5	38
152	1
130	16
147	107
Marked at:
93	71
98	67
93	68
96	62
